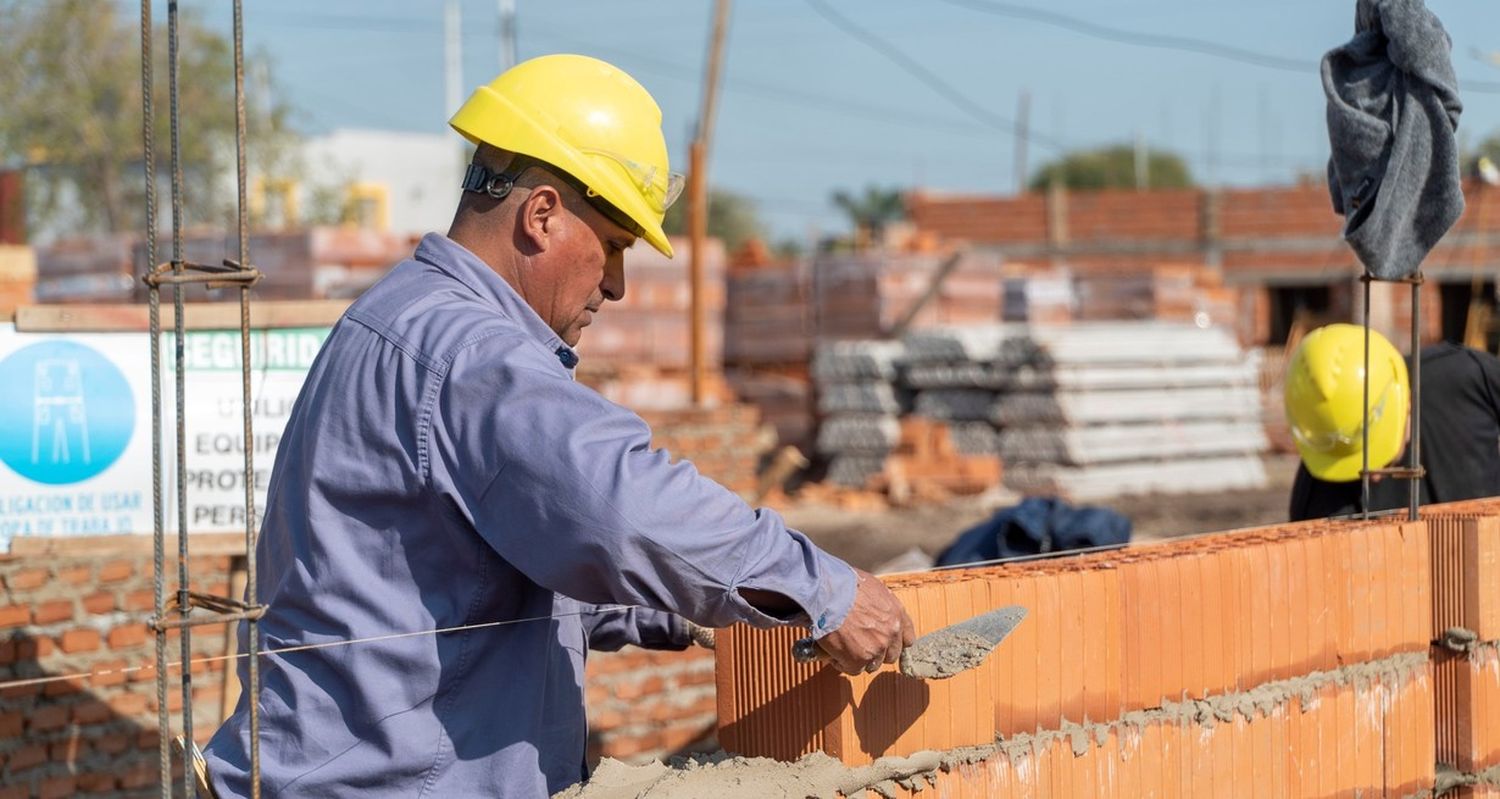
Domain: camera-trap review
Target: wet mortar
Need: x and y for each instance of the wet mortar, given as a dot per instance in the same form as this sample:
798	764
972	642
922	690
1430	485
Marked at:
818	776
945	653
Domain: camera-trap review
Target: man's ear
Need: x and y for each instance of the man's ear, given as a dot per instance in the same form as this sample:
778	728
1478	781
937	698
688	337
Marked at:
541	216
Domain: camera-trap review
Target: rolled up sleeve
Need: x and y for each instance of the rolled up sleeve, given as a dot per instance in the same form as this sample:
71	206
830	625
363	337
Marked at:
565	486
613	627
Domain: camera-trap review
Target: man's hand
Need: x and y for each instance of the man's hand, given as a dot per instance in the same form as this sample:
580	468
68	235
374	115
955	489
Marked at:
875	631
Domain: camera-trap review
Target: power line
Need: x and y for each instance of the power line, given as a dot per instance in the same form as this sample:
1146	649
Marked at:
927	76
1161	41
983	128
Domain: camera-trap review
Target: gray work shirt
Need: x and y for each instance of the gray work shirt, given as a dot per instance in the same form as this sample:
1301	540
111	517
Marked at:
441	468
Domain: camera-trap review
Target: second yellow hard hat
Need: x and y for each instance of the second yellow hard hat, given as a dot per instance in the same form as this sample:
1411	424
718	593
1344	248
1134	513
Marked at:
1325	397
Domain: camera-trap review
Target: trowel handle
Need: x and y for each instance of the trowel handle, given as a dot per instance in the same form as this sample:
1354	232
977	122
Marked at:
807	650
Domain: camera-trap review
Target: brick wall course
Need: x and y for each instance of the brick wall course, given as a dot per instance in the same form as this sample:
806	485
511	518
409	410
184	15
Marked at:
1057	670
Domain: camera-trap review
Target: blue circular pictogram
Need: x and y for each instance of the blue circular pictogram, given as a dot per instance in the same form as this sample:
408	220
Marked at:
66	412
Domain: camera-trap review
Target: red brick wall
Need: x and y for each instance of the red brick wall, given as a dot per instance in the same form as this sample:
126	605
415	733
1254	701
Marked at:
649	704
64	614
1133	228
724	443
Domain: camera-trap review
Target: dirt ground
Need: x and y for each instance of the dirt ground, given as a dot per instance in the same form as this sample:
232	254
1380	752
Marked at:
869	539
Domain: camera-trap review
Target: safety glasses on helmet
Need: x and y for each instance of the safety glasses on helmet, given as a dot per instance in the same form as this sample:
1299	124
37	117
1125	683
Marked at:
660	193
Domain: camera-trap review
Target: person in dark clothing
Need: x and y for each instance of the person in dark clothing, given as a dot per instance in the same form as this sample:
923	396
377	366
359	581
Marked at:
1460	431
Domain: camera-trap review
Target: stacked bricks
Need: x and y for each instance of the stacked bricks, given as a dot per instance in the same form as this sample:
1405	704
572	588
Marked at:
867	295
1252	652
926	464
645	704
68	614
724	443
768	341
650	327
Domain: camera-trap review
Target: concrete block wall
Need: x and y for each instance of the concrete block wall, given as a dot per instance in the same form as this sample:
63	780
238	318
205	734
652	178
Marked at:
1295	660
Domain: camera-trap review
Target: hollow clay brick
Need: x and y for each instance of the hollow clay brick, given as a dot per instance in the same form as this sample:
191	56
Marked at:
1073	649
1047	615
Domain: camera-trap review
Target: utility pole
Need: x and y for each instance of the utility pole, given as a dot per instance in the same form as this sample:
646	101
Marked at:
1023	124
698	199
1142	165
507	34
453	55
1211	136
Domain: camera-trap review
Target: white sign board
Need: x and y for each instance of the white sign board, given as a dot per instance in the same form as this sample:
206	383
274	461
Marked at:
75	428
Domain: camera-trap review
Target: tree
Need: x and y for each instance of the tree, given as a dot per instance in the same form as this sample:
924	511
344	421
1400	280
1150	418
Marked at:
1113	167
71	100
732	218
871	211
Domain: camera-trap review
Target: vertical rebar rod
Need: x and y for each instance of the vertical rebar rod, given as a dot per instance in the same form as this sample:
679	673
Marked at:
1364	425
158	537
252	687
184	603
1414	452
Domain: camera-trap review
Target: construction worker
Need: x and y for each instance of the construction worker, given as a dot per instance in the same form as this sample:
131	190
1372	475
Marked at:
1324	394
442	471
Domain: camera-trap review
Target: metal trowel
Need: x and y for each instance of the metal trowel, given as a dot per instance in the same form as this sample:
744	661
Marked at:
944	652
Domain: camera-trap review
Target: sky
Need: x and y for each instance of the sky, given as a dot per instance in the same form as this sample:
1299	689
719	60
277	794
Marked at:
891	93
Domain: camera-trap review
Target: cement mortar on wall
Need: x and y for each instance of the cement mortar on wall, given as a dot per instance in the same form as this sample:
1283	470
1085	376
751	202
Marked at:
818	775
1449	779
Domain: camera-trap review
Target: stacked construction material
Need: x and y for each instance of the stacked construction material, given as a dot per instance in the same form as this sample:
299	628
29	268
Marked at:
859	403
1114	292
1039	296
768	342
17	277
953	376
1091	411
928	463
637	351
866	295
1284	661
650	326
88	269
1163	292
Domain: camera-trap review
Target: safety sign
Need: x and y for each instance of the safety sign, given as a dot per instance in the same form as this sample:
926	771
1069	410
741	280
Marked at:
75	428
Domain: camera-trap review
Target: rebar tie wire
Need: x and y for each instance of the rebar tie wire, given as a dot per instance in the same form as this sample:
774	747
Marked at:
178	274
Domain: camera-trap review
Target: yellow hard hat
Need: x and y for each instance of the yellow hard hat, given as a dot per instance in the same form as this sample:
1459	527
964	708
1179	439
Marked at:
1324	394
588	119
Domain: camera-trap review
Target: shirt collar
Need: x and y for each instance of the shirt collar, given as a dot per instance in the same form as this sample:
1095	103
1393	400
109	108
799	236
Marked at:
464	266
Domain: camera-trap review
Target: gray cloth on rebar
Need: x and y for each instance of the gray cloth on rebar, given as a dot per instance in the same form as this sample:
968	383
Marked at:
1392	109
441	468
